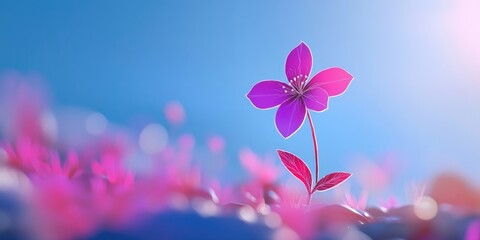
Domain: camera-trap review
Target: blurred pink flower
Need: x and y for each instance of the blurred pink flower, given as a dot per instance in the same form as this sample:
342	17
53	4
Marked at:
253	195
291	197
69	169
177	155
294	211
113	171
186	142
114	204
390	203
24	107
376	176
357	204
62	209
415	192
27	155
473	231
221	194
265	172
216	144
187	181
174	113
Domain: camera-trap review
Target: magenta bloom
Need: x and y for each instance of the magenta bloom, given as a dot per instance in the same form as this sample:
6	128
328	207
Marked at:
299	94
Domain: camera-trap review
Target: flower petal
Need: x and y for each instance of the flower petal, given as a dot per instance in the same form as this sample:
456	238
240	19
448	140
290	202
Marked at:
334	80
290	116
316	99
299	62
269	93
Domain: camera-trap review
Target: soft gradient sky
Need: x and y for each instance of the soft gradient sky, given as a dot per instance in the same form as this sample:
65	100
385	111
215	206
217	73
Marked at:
416	90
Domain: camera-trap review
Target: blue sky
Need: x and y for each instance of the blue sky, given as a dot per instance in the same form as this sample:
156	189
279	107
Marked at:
413	93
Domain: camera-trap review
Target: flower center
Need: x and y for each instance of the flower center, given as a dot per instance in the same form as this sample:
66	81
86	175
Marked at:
298	83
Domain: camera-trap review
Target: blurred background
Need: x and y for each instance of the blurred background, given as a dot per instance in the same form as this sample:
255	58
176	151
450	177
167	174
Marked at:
412	108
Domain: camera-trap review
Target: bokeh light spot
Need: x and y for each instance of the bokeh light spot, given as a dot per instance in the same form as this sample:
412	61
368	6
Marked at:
13	180
153	139
285	233
49	126
204	207
216	144
247	214
175	113
96	124
426	208
273	220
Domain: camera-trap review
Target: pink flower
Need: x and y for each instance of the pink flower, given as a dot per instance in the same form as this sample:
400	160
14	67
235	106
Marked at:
175	113
61	209
23	106
216	144
221	194
473	231
357	204
299	94
389	203
27	156
70	168
113	171
265	172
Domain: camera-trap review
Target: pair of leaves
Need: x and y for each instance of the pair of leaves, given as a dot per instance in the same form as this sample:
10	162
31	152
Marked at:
300	170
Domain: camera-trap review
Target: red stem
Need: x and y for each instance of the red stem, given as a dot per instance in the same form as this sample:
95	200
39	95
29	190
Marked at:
312	128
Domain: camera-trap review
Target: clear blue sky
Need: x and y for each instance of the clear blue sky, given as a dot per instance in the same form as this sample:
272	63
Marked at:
413	93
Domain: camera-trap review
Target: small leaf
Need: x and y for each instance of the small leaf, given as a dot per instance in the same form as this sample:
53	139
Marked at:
297	167
331	180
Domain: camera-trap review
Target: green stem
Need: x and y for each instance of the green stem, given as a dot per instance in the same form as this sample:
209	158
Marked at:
315	148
